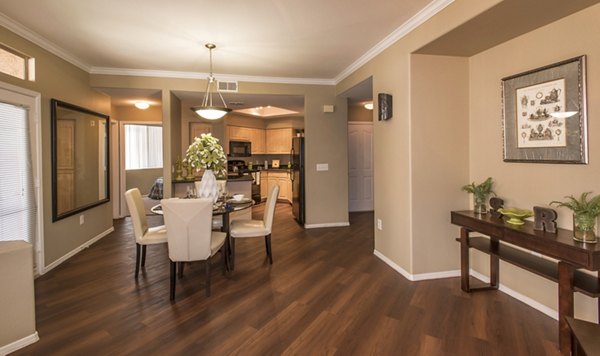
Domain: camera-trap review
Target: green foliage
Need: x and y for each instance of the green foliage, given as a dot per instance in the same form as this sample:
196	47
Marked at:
480	191
583	205
206	152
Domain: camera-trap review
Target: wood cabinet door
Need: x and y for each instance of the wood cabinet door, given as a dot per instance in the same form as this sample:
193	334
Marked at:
264	184
240	133
279	140
65	166
258	141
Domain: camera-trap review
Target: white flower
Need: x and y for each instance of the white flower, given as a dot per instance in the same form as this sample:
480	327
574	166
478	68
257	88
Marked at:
206	152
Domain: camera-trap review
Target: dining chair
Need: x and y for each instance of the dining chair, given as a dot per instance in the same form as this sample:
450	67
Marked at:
190	236
256	228
144	235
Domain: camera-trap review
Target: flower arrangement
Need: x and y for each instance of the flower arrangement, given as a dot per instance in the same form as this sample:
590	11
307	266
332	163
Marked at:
206	152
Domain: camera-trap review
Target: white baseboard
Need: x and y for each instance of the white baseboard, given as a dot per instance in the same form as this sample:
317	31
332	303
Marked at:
416	277
77	250
518	296
19	344
316	226
447	274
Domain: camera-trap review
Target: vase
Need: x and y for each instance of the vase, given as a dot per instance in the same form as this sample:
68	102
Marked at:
479	204
584	228
208	187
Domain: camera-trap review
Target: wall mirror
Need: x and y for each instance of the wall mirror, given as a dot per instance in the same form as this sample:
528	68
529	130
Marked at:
80	167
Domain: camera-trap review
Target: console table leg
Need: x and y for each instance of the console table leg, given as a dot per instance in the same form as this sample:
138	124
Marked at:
565	305
464	259
494	266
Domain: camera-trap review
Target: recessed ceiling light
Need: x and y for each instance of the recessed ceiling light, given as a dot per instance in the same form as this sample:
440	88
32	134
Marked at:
369	105
142	105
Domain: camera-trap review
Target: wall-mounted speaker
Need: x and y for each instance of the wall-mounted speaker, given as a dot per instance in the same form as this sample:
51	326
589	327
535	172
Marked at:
385	106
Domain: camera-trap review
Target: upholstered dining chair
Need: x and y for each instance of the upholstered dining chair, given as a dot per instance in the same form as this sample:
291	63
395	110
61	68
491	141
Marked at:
143	234
190	236
256	228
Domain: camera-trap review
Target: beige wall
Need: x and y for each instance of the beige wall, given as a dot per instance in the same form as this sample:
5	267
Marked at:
523	184
131	113
58	79
359	113
142	179
439	137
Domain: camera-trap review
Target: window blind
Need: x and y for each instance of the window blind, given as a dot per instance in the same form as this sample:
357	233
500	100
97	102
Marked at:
17	199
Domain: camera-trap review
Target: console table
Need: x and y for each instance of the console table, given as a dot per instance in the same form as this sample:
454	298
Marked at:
571	255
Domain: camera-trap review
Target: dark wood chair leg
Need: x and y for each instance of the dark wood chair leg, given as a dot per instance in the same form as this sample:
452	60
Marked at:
172	287
138	251
232	261
208	277
269	251
143	255
180	269
223	259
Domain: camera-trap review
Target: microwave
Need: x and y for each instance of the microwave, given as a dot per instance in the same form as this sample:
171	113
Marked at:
240	149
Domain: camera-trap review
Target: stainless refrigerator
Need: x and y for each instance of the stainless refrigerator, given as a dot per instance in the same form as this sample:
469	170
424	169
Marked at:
297	177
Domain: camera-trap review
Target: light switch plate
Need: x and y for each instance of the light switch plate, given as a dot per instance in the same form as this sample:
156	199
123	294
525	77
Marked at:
322	167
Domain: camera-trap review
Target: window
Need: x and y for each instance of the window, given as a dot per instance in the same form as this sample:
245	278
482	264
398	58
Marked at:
17	199
143	146
16	64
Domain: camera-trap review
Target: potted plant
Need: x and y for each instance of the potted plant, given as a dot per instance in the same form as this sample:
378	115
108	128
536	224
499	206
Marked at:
585	212
206	153
481	193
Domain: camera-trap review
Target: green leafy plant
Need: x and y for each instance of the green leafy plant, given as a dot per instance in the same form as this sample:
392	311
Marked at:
480	191
586	210
206	152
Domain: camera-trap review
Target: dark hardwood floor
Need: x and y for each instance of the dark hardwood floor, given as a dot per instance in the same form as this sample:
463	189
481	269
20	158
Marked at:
326	293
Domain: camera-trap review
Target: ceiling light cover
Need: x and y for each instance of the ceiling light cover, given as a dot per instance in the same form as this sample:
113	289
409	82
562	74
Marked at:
142	105
369	105
207	110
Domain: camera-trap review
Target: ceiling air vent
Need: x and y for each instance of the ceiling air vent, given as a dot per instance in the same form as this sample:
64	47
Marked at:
228	86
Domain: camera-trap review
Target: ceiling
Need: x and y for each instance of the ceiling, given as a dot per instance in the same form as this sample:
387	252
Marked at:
309	41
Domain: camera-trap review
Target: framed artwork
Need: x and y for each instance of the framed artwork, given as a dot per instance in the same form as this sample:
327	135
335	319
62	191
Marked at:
545	116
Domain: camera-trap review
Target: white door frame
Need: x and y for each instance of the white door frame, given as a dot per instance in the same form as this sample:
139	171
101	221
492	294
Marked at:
32	101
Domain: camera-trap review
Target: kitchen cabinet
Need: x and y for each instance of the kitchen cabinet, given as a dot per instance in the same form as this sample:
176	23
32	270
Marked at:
279	141
257	137
253	135
281	178
264	187
197	129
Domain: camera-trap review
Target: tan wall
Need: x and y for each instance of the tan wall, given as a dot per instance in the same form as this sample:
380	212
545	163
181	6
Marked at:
142	178
523	184
131	113
58	79
439	137
359	113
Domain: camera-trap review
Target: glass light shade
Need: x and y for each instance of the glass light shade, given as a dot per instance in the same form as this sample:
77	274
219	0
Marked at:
211	112
142	105
369	106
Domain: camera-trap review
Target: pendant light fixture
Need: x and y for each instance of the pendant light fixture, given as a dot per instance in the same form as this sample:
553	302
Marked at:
207	110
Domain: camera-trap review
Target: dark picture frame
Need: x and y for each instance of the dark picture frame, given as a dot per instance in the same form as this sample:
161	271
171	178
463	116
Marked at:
545	114
80	159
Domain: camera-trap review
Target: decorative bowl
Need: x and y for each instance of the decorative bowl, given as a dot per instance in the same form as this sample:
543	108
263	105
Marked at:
515	215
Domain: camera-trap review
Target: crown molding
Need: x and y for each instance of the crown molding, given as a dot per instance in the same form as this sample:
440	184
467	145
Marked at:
196	75
415	21
425	14
41	41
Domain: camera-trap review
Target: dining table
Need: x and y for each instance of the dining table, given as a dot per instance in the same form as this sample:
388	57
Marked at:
223	208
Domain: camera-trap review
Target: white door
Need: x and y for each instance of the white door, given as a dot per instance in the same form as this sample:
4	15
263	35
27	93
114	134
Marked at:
360	166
